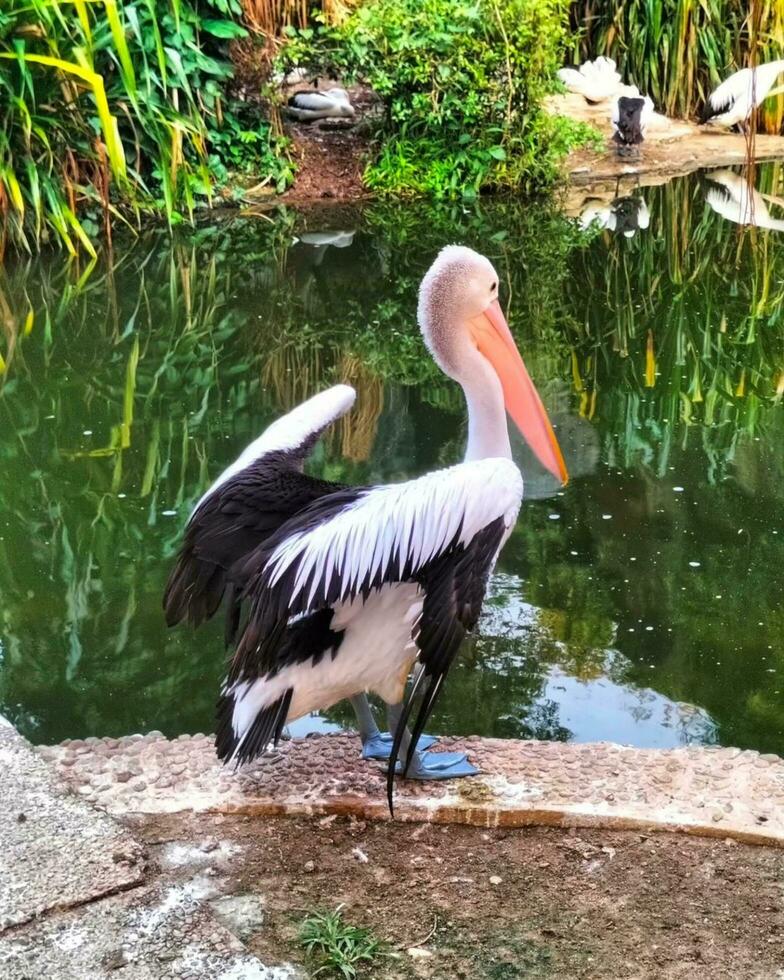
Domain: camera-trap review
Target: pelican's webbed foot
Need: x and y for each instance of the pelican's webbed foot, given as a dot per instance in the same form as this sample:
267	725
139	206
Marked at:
376	744
438	765
379	745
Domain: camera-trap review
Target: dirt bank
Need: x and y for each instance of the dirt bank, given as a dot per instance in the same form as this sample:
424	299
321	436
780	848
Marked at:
331	155
459	902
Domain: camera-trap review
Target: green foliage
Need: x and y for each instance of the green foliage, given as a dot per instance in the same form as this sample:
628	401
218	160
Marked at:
109	109
679	50
461	84
340	948
243	143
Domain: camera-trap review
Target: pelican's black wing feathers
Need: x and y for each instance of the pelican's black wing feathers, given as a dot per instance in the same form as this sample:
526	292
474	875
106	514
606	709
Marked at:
454	586
257	494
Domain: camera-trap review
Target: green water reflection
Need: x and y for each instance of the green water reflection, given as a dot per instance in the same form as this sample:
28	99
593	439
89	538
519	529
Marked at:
642	603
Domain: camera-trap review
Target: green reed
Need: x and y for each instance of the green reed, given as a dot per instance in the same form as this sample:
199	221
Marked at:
110	109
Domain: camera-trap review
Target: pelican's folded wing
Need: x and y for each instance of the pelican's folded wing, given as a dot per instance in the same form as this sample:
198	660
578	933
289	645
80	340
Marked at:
250	500
310	100
441	531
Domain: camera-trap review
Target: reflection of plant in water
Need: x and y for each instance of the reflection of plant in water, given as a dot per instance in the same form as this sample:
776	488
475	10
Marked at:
682	330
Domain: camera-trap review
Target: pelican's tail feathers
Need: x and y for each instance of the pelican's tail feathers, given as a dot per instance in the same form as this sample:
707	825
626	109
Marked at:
246	725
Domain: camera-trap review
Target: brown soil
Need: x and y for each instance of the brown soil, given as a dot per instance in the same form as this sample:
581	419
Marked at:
331	154
593	904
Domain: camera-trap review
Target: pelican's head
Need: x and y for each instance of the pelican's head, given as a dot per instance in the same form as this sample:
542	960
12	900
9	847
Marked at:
465	330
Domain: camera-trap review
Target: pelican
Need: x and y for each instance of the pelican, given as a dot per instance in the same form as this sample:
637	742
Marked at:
735	201
343	588
594	80
733	102
630	117
333	103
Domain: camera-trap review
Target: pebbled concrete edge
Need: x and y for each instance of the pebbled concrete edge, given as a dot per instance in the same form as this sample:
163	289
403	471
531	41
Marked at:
704	791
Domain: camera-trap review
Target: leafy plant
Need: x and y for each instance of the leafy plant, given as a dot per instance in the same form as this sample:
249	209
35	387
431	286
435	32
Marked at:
244	143
461	85
340	947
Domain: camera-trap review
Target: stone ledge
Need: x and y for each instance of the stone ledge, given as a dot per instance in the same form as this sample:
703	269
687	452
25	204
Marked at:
717	792
672	147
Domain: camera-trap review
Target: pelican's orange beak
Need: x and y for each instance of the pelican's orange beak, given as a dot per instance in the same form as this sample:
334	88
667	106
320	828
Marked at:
494	340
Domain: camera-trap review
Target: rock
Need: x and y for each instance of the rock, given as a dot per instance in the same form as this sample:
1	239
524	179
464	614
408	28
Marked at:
241	914
310	866
495	880
360	855
115	960
419	953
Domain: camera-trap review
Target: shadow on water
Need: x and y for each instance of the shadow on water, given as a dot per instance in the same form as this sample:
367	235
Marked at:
642	603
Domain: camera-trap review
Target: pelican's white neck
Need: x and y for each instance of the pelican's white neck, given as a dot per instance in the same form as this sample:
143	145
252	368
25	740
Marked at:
488	433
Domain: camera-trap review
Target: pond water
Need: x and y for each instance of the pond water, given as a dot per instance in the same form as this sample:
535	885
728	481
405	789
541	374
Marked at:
642	603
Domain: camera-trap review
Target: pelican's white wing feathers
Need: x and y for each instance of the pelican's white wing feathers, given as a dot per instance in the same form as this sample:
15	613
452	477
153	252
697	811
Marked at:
311	100
733	88
298	430
247	503
391	531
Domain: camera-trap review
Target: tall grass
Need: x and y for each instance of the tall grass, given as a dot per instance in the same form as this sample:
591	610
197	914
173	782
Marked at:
273	17
108	109
678	50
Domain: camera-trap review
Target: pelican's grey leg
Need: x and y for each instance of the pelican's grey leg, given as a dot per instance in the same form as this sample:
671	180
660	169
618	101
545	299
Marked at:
427	765
372	742
376	744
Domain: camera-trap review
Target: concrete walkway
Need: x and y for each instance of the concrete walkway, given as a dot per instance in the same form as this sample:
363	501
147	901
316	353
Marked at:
81	897
717	792
78	902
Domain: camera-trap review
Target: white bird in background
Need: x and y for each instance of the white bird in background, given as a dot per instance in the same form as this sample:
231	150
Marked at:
630	116
344	588
319	242
624	215
735	201
322	239
732	103
333	103
594	80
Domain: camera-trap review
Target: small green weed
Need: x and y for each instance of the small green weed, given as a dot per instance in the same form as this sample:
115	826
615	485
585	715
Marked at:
340	947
